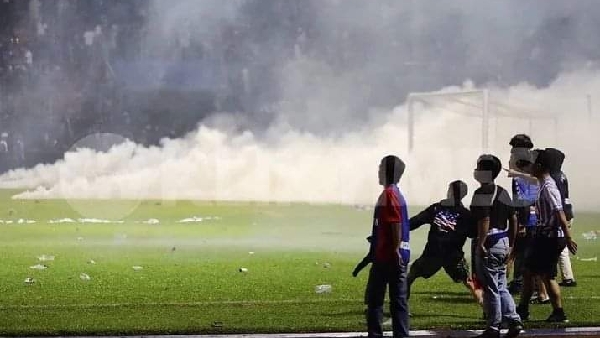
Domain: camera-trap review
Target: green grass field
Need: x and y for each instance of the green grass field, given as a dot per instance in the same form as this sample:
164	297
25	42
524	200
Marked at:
197	287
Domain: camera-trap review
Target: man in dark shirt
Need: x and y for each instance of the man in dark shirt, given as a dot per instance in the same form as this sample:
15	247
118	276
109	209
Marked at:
496	231
450	225
390	245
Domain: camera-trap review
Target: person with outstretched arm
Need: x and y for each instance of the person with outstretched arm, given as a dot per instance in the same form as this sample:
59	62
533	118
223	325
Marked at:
450	225
552	236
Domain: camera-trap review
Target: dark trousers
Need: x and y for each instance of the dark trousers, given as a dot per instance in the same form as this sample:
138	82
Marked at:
519	264
394	276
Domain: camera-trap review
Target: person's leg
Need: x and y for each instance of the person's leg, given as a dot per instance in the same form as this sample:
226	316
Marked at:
423	267
553	248
377	284
518	265
367	287
398	300
507	302
566	269
542	292
487	269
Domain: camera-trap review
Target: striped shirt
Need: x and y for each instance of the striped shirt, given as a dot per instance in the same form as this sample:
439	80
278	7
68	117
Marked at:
548	204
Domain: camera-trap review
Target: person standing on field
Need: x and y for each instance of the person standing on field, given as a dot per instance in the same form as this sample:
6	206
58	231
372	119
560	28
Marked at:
390	240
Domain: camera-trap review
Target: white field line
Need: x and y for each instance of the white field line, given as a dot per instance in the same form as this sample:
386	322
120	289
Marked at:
208	303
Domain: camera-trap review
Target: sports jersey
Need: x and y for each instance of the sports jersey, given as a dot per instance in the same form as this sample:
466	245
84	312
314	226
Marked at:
390	208
524	196
548	204
449	227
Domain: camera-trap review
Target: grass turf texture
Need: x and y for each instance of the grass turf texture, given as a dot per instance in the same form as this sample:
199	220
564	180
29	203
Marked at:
197	285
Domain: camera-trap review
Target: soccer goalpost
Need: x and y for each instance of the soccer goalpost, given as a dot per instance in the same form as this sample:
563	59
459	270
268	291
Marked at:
479	105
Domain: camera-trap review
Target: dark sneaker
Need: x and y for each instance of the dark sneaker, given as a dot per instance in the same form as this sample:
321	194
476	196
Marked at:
523	312
514	329
569	283
557	316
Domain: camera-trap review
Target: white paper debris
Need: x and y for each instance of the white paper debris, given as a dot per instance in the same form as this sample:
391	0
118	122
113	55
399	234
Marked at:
39	267
45	258
137	268
84	276
324	288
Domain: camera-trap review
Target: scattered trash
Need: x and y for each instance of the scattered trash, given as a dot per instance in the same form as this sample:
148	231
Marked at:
84	276
39	267
435	297
29	280
325	288
590	236
29	221
9	222
92	261
151	221
243	270
593	259
251	252
93	220
20	221
217	324
137	268
191	220
62	220
327	265
80	238
44	258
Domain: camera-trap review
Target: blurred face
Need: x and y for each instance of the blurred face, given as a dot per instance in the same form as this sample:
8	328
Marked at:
381	174
483	176
512	162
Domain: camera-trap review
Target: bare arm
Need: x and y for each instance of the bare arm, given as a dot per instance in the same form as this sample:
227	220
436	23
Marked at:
564	224
516	173
483	226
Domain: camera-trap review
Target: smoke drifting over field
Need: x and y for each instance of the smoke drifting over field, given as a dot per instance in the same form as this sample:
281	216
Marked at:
328	133
213	165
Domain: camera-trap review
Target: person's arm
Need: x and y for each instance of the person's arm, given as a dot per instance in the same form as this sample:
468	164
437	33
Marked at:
515	173
564	224
424	217
483	226
555	199
396	235
481	209
361	265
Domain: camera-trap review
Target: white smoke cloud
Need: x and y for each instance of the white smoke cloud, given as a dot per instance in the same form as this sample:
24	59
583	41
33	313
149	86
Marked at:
209	164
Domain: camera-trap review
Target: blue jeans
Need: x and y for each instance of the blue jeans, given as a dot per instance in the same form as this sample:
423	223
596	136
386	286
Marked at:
394	276
491	271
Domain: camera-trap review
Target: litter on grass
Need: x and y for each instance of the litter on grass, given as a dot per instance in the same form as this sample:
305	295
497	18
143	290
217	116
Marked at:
84	277
137	268
243	270
92	261
29	280
327	265
590	236
39	267
324	288
44	258
593	259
